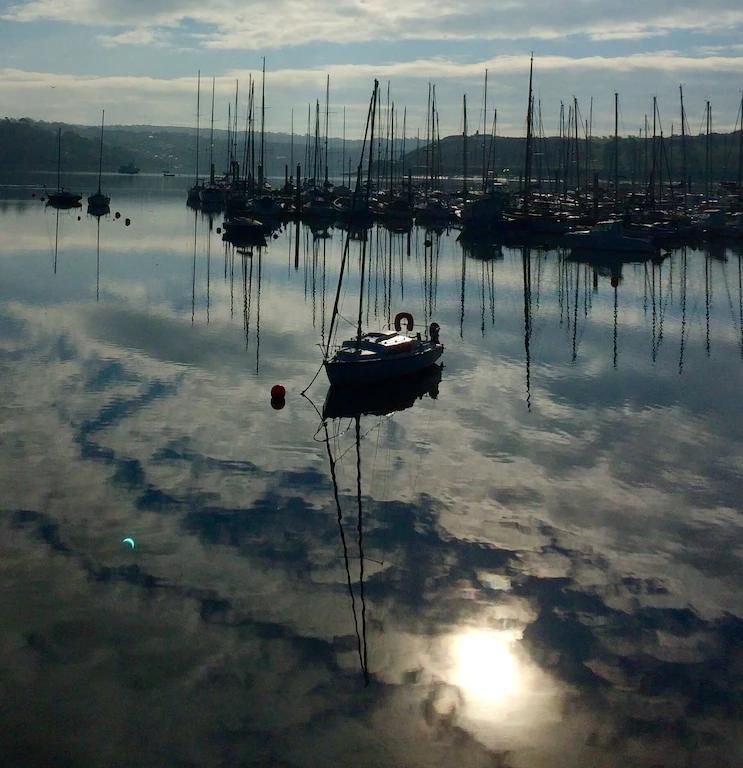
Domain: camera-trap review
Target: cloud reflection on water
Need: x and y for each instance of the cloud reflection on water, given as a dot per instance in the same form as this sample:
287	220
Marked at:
587	550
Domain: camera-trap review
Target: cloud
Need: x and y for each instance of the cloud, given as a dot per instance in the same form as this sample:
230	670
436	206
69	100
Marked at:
573	525
222	25
138	36
170	100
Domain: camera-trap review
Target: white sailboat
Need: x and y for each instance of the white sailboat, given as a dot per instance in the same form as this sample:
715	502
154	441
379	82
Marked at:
375	356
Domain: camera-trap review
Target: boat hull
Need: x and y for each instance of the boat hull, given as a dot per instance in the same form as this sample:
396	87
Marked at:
360	371
64	200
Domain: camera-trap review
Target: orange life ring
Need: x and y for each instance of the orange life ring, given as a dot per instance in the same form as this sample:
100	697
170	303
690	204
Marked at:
407	317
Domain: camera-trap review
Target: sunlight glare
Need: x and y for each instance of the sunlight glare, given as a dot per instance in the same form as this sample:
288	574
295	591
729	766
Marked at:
485	667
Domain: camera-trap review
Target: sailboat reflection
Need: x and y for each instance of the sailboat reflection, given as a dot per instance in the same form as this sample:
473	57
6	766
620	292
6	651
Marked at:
352	402
349	402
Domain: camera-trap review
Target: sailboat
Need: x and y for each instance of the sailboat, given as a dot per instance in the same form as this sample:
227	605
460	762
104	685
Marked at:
62	198
375	356
98	202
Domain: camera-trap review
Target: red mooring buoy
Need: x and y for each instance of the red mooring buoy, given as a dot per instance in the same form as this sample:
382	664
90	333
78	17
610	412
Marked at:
278	391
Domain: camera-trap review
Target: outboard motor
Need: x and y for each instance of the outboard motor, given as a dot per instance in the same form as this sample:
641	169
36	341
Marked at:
433	332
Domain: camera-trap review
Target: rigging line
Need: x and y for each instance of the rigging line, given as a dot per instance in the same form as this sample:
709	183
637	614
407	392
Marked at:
365	434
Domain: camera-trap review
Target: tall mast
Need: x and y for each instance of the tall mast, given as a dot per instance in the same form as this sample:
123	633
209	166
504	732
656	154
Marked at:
616	150
59	156
645	154
291	149
740	146
683	145
363	245
307	144
327	116
464	143
429	146
246	135
343	151
484	131
706	153
655	150
211	141
392	144
316	160
263	122
402	149
233	154
229	138
100	153
577	145
252	133
198	107
527	158
438	139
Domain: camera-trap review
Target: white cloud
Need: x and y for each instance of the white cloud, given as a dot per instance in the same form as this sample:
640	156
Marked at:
137	36
225	26
170	101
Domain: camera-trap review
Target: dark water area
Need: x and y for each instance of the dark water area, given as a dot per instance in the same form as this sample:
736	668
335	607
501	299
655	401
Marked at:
535	561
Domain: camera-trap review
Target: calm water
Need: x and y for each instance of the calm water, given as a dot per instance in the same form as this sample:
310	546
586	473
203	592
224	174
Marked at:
543	569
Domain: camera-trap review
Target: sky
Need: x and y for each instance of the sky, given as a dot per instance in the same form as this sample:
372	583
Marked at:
139	61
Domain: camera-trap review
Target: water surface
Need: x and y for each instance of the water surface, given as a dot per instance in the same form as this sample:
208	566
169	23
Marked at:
537	563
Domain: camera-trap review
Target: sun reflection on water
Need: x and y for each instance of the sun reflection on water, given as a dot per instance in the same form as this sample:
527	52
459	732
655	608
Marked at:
486	668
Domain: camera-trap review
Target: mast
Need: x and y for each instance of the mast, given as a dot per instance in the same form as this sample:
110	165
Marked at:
100	153
527	158
233	153
327	117
616	150
484	132
740	147
577	145
228	165
343	151
291	146
438	140
392	145
252	133
683	145
655	151
363	245
357	188
211	141
706	153
464	144
261	167
429	146
402	149
198	108
59	157
307	144
316	159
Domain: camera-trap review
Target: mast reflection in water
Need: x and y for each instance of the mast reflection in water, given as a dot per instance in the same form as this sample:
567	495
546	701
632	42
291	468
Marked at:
353	403
525	575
